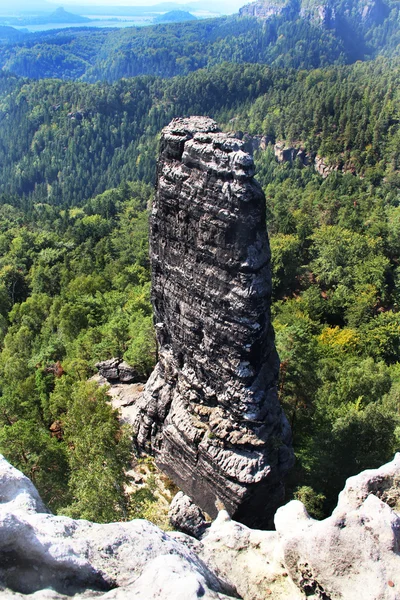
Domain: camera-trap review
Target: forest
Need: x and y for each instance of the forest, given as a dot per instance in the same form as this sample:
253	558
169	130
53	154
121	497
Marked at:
294	37
77	166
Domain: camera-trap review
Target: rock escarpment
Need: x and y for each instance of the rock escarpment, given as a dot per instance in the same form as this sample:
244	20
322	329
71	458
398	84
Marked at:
210	411
326	13
351	555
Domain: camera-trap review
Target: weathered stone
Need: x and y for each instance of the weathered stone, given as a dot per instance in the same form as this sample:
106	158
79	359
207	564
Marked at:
186	516
210	411
249	559
355	552
127	374
288	153
322	13
266	9
323	168
39	551
109	368
116	369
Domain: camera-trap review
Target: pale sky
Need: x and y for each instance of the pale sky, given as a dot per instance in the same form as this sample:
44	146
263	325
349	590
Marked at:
33	4
16	5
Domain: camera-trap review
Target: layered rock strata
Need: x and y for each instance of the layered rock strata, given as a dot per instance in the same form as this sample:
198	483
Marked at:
210	411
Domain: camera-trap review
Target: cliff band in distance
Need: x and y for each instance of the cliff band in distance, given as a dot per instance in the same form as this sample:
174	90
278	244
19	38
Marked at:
210	412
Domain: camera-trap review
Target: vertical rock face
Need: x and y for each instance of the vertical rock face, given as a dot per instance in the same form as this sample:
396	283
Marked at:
210	411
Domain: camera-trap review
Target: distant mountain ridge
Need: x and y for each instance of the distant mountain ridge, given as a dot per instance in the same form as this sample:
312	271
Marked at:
282	33
58	17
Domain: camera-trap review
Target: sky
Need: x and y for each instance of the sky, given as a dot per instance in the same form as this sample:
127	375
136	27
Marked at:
16	5
34	4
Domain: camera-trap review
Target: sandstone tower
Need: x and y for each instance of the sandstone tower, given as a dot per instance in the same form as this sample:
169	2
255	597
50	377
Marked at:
210	411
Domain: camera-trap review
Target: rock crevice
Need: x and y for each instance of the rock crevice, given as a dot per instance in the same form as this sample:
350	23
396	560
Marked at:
210	411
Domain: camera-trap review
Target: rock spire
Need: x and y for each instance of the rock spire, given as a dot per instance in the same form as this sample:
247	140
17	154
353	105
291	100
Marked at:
210	412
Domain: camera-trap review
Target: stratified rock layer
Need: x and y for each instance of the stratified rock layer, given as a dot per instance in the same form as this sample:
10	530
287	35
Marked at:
210	411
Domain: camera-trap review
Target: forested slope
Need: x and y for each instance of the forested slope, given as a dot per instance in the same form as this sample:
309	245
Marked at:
303	35
76	140
74	275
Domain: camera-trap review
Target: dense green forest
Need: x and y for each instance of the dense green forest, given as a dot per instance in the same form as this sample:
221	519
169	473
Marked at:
74	289
77	140
74	271
296	37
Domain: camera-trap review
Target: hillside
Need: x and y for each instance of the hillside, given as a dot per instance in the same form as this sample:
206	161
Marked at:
58	17
175	16
297	35
99	135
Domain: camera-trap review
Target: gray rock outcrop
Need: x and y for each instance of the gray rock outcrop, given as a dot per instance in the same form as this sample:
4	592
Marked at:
210	411
266	9
186	516
117	370
352	555
285	153
55	557
325	13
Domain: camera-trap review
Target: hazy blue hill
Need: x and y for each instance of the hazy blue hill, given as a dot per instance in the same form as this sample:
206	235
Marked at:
297	35
175	16
62	16
58	17
284	33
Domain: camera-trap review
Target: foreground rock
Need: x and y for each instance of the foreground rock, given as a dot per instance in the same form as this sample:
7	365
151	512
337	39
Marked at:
39	551
210	410
352	555
186	516
355	553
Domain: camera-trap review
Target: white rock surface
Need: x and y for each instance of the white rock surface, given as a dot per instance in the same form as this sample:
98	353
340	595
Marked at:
352	555
40	552
247	558
355	553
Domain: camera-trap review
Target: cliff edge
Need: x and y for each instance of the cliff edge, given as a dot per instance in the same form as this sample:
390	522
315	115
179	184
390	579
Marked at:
351	555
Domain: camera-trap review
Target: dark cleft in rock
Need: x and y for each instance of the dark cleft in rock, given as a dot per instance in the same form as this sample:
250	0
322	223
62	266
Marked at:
210	412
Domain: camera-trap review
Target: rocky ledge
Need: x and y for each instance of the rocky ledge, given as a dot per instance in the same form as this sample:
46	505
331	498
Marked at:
351	555
210	411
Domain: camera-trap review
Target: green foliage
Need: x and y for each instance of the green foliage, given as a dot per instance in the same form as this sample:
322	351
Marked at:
74	270
286	264
54	426
295	38
77	140
101	452
30	448
337	329
312	501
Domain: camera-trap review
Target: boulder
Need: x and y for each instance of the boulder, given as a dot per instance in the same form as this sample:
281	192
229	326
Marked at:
351	555
186	516
355	553
117	370
55	557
